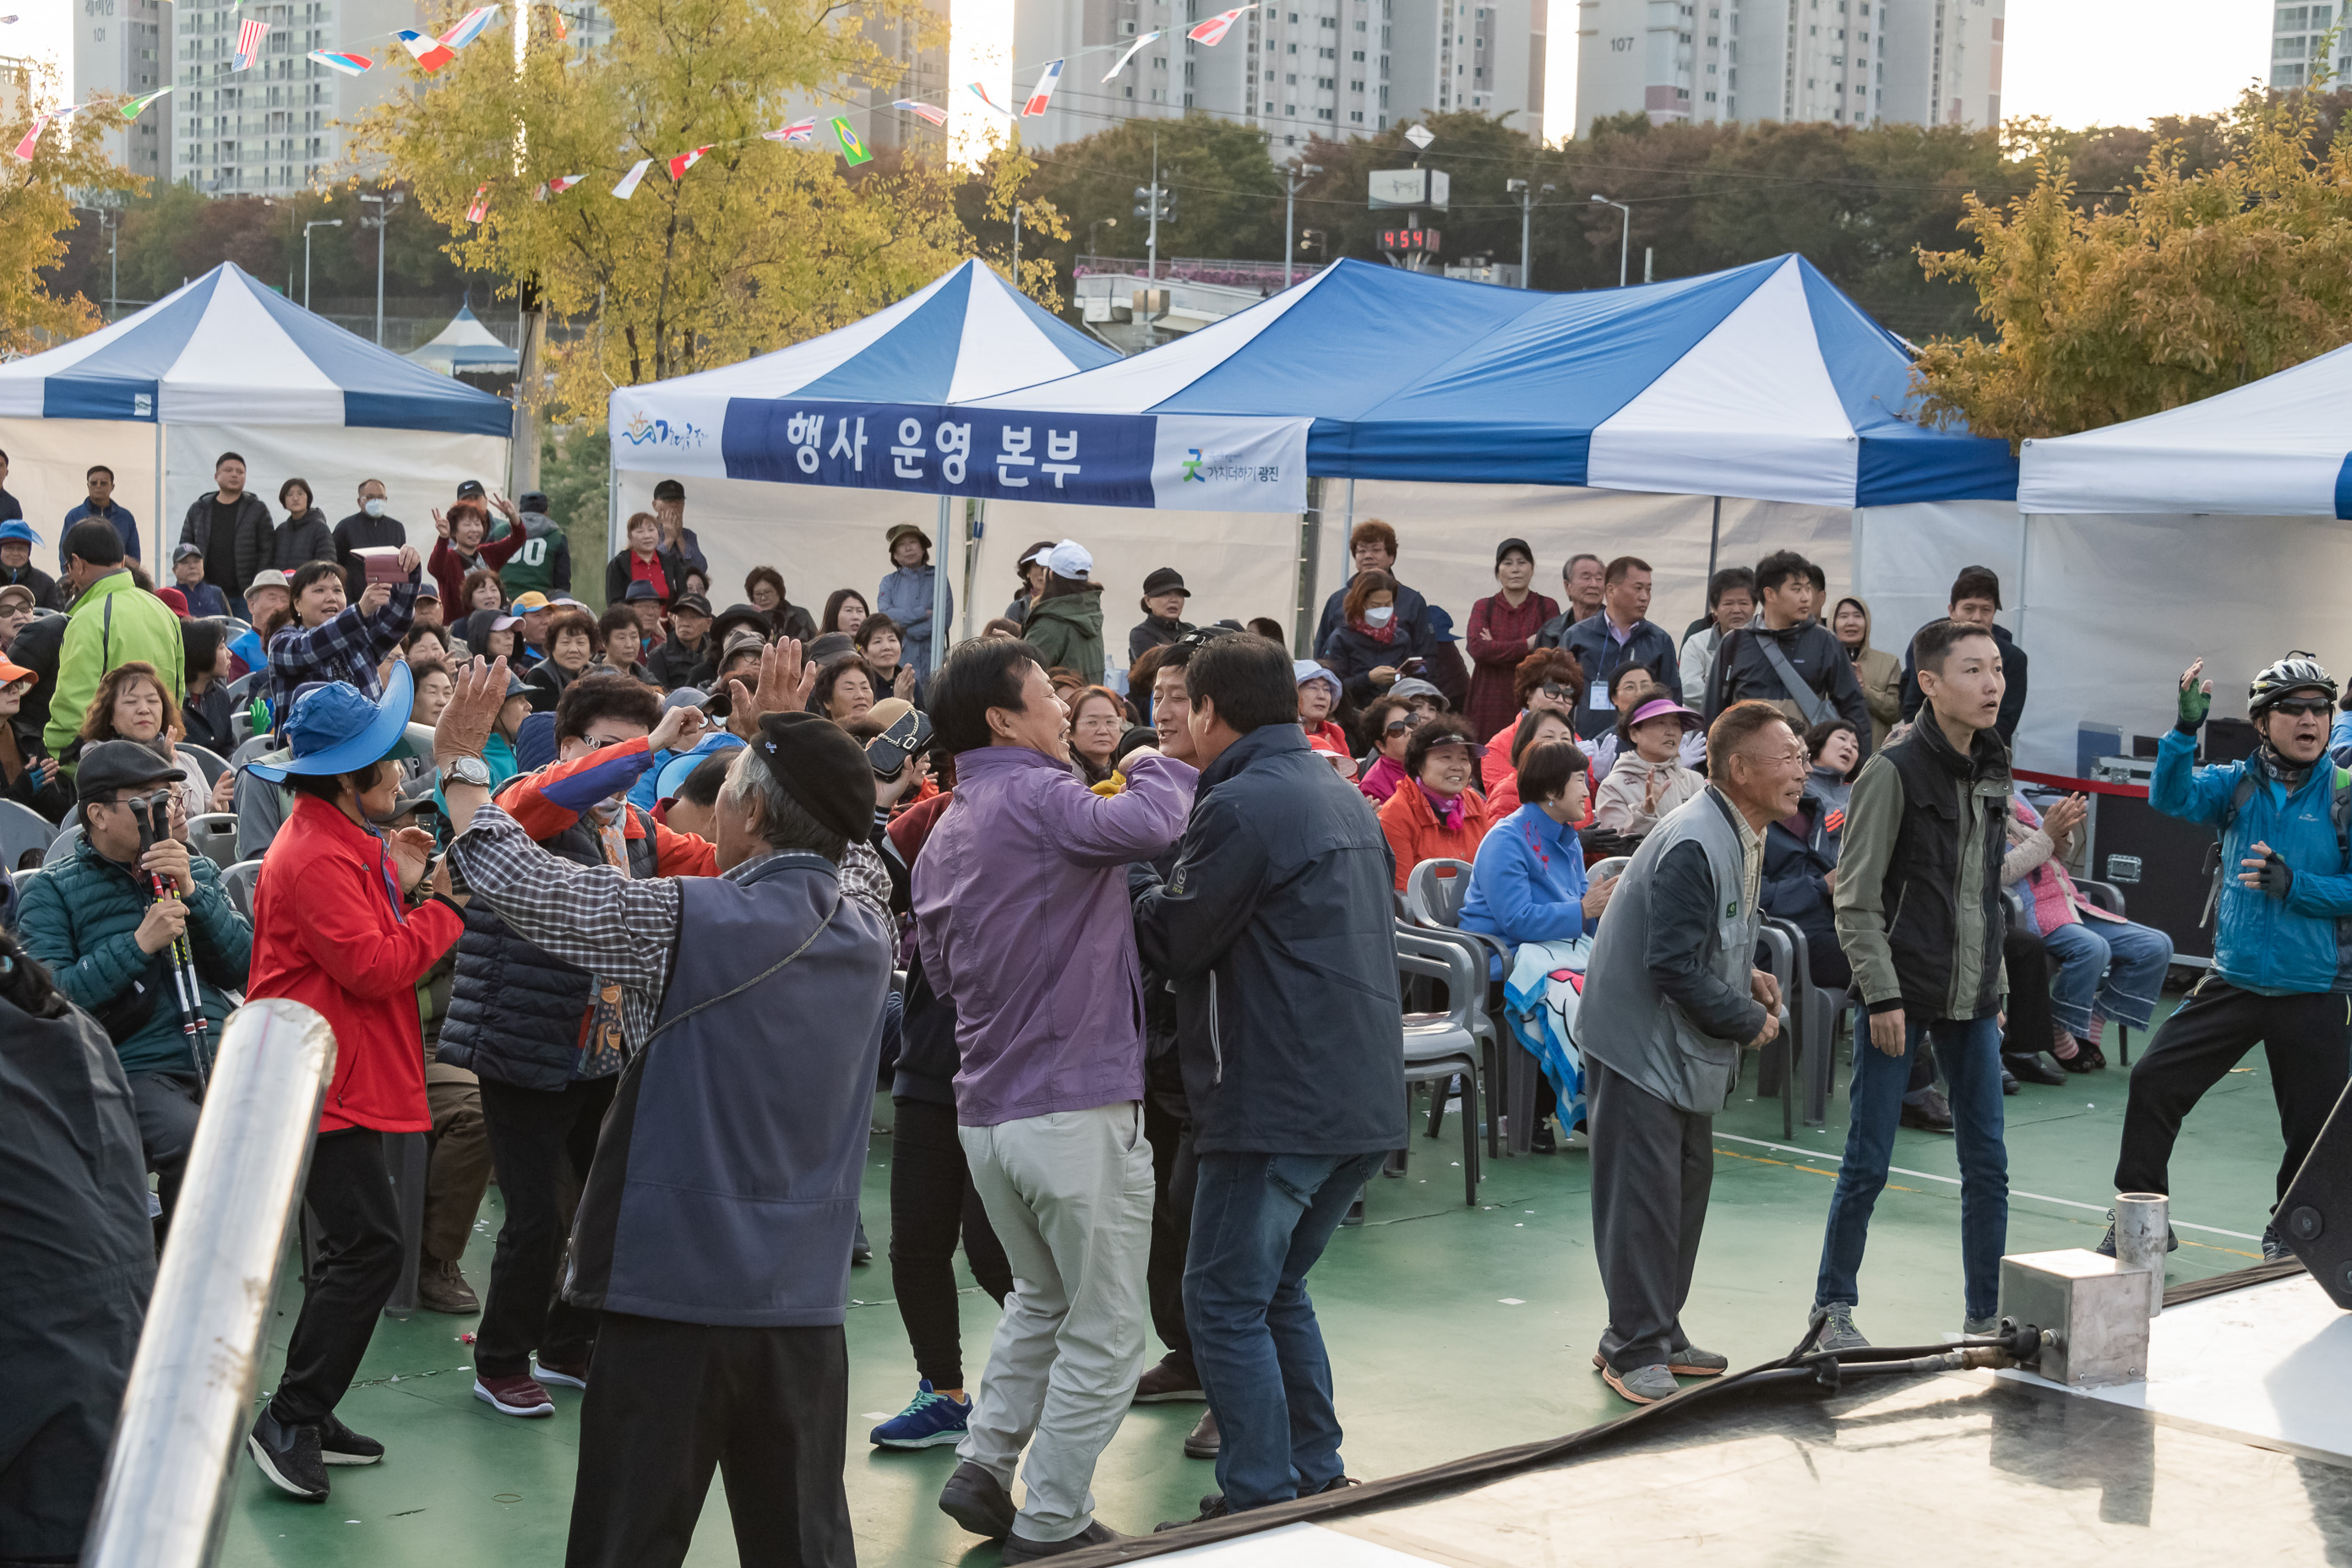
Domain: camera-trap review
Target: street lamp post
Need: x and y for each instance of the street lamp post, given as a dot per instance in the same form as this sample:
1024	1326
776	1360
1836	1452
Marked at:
1095	228
1625	243
383	205
1527	203
113	223
335	223
1292	177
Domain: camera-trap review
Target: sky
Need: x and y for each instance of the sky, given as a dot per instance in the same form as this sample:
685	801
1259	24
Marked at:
2080	62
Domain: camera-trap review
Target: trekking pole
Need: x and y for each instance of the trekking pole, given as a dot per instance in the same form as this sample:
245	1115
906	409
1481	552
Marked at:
186	985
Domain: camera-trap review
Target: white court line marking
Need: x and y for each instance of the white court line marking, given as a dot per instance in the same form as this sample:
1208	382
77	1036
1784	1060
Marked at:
1954	1182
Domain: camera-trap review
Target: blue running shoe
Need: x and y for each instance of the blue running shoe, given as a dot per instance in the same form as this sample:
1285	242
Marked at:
930	1420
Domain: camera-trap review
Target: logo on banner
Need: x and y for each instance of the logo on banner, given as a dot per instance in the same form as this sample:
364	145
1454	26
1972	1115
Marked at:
1204	468
684	436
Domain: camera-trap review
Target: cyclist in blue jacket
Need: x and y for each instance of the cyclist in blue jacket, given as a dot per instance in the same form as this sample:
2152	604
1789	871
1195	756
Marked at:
2282	971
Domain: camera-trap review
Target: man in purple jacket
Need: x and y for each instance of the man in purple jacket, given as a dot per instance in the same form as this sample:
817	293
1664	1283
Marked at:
1021	908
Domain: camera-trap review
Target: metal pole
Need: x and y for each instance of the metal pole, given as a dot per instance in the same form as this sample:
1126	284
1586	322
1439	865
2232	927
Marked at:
1151	254
1289	218
1625	240
1527	212
192	1385
306	267
1714	537
942	575
114	269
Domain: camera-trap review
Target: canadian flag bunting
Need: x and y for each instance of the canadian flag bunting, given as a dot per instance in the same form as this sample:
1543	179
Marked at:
1213	31
563	182
685	161
481	207
24	148
1043	93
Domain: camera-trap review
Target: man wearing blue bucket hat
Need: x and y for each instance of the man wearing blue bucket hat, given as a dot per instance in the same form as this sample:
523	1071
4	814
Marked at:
344	923
16	542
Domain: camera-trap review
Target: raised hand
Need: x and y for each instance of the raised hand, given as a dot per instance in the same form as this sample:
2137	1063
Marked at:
785	681
465	724
679	729
2196	699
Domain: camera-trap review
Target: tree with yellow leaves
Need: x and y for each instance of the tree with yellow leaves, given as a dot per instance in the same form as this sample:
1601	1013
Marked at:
38	196
732	242
2196	282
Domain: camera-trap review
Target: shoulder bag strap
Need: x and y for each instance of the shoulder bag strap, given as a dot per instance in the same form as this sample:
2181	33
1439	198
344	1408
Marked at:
1810	703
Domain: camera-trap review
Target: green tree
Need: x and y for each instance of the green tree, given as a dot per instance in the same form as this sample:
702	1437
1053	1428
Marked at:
759	245
573	463
2198	281
1228	195
37	197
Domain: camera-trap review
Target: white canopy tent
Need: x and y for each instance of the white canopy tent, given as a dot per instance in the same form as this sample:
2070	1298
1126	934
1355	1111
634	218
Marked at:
465	344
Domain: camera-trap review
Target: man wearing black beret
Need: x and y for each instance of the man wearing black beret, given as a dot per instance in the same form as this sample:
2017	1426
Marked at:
715	1224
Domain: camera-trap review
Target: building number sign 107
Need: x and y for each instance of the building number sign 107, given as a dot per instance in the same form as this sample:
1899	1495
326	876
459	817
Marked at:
1620	45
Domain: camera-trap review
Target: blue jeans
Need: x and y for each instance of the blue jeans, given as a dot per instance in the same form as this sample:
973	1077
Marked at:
2111	966
1259	1222
1971	1053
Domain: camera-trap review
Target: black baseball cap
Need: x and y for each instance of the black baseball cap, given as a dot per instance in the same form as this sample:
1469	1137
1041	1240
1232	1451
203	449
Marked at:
469	489
692	603
532	501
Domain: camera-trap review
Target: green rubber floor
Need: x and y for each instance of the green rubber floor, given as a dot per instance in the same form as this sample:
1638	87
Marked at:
1452	1329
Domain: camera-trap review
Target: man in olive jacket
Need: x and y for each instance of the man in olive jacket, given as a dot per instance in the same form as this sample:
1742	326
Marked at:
1275	928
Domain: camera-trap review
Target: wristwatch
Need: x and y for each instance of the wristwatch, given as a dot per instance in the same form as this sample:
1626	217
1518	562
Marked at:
467	771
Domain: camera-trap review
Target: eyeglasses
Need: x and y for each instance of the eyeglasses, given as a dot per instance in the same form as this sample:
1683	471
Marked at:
598	743
1398	727
1553	688
2301	705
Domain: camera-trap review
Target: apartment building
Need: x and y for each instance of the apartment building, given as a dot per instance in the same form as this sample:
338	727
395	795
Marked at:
122	48
2298	44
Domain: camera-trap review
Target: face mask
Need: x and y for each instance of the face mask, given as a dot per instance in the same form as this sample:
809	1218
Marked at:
1379	617
372	507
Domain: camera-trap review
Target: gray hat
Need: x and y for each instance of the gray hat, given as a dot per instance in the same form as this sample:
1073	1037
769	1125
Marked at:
684	696
110	765
1413	685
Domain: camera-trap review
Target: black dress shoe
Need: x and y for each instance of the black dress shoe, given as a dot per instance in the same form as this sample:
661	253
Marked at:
1019	1548
2034	1069
1930	1113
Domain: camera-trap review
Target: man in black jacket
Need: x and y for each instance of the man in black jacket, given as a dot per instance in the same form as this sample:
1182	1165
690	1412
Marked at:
1976	599
1786	658
1275	928
232	527
372	527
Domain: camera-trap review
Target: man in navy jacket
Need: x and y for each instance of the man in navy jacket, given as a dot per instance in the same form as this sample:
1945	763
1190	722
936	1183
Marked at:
1275	927
1617	637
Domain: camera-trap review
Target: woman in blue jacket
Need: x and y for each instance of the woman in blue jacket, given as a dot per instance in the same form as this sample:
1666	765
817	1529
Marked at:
1529	882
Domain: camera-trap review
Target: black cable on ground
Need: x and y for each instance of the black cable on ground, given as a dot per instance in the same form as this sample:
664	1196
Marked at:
2236	1280
1823	1369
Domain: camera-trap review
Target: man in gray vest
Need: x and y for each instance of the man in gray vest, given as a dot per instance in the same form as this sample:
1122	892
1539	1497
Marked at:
714	1228
1671	996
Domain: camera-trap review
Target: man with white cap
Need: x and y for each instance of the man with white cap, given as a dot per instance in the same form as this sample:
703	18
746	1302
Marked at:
1065	624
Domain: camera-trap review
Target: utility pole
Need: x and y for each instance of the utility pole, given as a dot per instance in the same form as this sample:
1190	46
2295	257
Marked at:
329	223
112	221
1528	202
1625	243
383	205
1291	178
1156	205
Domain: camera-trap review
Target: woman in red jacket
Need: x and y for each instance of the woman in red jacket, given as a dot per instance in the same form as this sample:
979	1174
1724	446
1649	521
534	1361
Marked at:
1435	815
343	923
1503	627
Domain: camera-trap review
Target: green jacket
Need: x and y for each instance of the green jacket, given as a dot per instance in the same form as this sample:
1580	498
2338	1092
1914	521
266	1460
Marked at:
115	622
1067	631
80	918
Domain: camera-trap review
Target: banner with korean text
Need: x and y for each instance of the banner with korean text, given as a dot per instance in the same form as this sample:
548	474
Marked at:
1178	461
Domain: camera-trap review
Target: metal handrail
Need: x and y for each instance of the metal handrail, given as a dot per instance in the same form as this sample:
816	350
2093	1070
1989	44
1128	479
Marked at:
192	1385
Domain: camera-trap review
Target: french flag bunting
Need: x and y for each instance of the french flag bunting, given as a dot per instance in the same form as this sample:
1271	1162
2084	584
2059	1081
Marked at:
24	148
930	111
470	27
981	93
1043	93
802	132
342	61
481	207
685	161
1132	51
1213	31
431	52
248	44
628	185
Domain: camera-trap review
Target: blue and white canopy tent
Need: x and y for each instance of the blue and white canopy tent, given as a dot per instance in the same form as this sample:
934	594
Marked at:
223	363
465	345
2216	530
727	435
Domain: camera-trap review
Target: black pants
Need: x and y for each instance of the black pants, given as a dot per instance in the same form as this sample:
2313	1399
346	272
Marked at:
1652	1167
1167	1122
540	1143
2307	1038
932	1199
2031	1027
168	1104
769	1407
355	1268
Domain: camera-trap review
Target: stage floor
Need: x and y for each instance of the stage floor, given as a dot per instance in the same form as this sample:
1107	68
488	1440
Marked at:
2237	1449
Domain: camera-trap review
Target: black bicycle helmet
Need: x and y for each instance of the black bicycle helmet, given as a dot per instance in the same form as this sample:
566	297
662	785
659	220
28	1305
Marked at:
2298	672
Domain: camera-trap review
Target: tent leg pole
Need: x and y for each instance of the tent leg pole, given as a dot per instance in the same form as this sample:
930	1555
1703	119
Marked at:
975	528
612	493
951	552
1713	538
162	550
2024	543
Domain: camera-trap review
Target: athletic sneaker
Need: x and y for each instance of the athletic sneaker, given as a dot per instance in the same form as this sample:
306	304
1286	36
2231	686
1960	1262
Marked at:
1164	1381
339	1445
1692	1362
1976	1328
288	1457
2274	1246
1019	1548
1839	1333
933	1418
573	1375
1643	1385
518	1396
978	1502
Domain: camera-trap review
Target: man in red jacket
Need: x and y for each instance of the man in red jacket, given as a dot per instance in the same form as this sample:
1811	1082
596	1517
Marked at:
343	923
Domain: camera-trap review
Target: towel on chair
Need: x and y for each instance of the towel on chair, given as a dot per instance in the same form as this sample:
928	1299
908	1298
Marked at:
1545	988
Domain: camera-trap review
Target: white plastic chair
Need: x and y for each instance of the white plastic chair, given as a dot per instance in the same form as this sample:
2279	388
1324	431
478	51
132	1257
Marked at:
23	831
1440	1047
213	836
237	881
